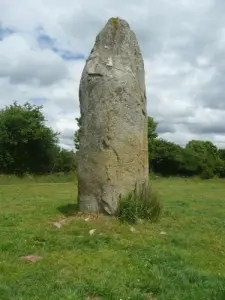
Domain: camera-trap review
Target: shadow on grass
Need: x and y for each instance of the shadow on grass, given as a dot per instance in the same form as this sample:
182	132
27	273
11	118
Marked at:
69	209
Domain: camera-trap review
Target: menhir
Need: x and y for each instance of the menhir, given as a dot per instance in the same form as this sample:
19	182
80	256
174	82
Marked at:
113	154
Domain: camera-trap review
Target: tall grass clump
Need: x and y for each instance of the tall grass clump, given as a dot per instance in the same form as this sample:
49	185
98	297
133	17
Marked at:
142	203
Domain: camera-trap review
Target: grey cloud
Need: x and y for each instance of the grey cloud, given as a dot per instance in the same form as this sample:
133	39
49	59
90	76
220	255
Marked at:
67	134
212	94
66	142
27	64
185	32
173	37
165	127
31	72
43	76
207	128
155	22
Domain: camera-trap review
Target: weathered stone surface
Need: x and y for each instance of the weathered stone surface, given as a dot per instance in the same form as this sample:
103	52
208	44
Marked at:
113	155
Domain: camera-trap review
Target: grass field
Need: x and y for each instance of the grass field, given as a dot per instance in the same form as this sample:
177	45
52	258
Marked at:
182	257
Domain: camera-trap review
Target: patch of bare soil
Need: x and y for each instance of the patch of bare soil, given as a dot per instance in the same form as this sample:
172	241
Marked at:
79	216
31	258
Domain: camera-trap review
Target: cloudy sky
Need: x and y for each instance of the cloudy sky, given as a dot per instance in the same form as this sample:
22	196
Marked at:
44	44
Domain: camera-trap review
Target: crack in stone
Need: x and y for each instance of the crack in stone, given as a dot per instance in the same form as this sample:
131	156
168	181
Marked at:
116	153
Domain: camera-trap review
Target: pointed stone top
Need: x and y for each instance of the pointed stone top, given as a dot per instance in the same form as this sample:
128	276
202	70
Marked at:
116	25
116	49
117	37
116	22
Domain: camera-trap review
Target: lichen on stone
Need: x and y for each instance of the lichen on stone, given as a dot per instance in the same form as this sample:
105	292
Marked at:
115	22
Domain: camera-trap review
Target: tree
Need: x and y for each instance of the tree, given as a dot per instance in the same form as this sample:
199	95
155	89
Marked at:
26	143
197	158
168	157
221	167
221	154
207	154
77	134
189	164
152	125
152	135
64	160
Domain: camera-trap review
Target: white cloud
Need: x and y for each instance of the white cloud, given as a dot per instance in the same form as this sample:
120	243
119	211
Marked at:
182	42
23	62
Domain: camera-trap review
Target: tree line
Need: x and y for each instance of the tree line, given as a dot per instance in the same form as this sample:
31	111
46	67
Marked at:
197	158
27	145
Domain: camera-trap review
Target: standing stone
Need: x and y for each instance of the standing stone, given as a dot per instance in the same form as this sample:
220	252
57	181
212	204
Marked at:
113	154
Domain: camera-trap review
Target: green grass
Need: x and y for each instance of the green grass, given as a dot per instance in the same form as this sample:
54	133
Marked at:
27	178
186	263
142	203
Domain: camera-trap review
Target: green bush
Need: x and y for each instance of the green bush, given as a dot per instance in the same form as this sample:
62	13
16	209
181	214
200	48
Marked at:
207	173
221	169
142	203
